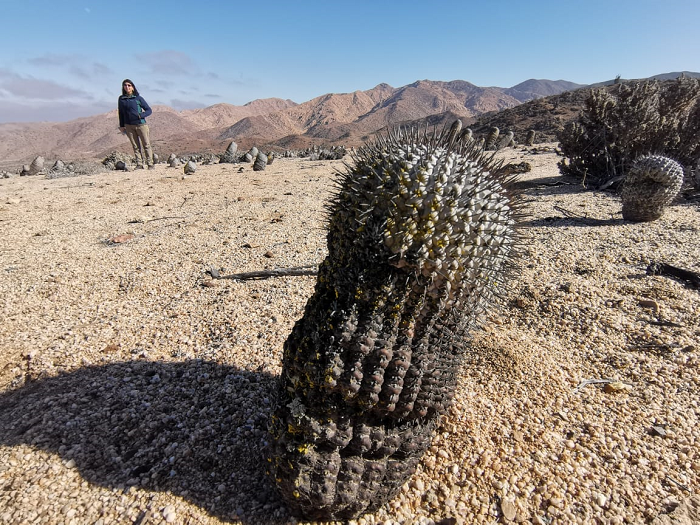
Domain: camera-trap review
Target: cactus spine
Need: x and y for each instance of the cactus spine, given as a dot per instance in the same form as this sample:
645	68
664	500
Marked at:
422	233
650	185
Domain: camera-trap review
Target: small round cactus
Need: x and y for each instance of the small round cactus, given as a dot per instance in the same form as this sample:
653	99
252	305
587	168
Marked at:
422	235
650	185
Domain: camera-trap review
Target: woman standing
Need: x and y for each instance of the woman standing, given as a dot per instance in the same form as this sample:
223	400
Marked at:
133	110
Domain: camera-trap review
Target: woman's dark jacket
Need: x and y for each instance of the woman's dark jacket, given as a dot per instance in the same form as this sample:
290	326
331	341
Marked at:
133	110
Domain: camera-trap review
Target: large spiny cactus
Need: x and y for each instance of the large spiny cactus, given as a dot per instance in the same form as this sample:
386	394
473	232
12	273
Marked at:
651	184
421	238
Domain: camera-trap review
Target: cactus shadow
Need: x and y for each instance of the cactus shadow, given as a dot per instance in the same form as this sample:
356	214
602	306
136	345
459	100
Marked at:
194	429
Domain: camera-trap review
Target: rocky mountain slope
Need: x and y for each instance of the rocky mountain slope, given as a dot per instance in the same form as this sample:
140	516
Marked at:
348	118
335	118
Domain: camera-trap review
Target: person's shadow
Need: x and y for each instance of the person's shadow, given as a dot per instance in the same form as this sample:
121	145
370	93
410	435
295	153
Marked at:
195	429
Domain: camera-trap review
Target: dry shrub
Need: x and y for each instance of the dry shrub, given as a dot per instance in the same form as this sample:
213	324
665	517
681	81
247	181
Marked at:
625	121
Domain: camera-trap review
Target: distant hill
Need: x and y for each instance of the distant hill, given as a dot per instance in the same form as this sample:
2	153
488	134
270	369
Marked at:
334	118
532	89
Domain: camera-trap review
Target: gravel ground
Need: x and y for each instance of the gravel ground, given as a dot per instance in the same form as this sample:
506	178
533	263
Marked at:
134	388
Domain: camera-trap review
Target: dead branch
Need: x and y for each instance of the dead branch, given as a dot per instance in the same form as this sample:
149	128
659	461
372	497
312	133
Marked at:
587	382
164	218
264	274
691	279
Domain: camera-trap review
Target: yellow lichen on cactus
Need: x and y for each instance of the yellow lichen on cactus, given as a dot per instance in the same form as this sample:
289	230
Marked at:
421	230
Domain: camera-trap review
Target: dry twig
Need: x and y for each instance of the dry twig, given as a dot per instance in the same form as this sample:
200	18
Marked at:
264	274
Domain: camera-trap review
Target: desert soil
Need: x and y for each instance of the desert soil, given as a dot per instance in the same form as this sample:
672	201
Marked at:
135	388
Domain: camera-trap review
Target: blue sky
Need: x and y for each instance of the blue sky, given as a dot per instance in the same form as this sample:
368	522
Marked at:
61	60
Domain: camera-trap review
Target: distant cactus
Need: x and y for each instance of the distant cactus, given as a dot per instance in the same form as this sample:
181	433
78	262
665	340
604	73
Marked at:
422	232
190	167
36	166
530	138
260	162
230	156
508	141
491	138
270	157
651	184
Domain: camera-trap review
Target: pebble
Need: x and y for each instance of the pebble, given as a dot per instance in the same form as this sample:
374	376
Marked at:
616	387
508	509
169	514
600	499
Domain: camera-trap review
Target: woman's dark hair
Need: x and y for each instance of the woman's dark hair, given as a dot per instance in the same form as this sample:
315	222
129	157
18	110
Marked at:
127	81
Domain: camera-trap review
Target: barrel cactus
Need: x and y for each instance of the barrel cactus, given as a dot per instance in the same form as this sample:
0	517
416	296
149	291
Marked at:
651	184
190	167
492	138
260	162
422	237
507	141
530	138
230	156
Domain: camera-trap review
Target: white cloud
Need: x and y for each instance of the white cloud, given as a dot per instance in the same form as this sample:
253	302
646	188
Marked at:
38	89
78	65
169	62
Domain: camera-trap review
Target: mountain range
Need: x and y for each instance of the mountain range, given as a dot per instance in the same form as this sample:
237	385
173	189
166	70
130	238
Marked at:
346	118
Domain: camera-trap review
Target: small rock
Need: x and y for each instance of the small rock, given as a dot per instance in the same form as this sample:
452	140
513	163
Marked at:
269	254
658	431
648	303
118	239
617	387
508	509
600	499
